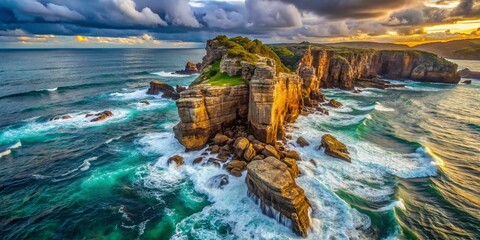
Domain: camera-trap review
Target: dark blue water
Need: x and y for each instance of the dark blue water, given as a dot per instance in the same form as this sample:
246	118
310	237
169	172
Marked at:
415	170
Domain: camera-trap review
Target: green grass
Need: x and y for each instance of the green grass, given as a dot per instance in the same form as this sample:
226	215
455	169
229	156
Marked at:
216	78
247	50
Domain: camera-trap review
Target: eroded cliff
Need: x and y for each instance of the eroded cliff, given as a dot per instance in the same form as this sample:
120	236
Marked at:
244	85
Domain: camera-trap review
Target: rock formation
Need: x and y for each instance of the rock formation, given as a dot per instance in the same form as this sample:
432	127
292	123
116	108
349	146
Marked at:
467	73
167	91
271	183
190	68
334	148
341	68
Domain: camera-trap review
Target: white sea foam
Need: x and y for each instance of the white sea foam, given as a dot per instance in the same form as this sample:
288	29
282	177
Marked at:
78	120
48	89
5	153
331	216
131	95
381	108
171	74
395	204
112	139
16	145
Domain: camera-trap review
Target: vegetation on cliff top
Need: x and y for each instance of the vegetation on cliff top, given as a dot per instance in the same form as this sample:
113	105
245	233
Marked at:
246	49
216	78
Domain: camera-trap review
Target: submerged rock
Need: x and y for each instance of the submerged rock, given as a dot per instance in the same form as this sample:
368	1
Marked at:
167	91
272	185
334	103
375	83
334	148
302	142
62	117
218	181
145	102
467	82
101	116
177	159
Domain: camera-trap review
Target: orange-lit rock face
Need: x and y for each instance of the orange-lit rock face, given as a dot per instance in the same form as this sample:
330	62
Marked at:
271	183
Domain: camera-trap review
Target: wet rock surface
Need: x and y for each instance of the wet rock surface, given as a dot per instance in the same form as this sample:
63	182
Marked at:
334	148
271	183
167	91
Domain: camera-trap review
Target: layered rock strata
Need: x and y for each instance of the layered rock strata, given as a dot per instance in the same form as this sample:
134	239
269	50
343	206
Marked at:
271	183
342	68
204	110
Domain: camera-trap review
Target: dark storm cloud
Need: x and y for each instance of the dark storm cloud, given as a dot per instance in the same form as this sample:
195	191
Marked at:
342	9
199	20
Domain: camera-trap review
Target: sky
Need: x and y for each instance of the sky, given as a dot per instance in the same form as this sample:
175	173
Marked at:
189	23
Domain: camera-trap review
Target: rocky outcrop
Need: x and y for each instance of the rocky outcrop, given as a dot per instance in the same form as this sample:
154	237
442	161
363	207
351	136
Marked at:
467	73
258	94
274	101
376	83
341	68
190	68
99	116
271	183
334	148
204	110
167	91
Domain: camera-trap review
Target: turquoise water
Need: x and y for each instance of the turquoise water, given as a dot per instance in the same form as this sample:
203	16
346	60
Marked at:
414	174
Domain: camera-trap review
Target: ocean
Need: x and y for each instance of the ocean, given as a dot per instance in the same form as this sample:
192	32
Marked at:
415	171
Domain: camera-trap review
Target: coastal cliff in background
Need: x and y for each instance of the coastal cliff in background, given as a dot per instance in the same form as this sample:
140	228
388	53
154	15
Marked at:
342	67
244	84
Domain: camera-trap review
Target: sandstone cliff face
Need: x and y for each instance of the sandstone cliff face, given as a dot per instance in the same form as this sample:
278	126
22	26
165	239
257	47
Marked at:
274	100
204	110
341	68
270	182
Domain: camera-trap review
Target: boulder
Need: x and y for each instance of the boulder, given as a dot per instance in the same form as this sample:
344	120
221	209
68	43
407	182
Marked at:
249	153
292	164
302	142
271	184
102	116
334	103
215	149
467	82
293	154
218	181
197	160
374	83
240	145
177	159
236	164
145	102
167	91
220	139
334	148
236	172
62	117
270	151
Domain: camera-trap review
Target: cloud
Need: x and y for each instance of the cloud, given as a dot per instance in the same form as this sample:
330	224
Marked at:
144	17
350	9
49	12
272	14
82	38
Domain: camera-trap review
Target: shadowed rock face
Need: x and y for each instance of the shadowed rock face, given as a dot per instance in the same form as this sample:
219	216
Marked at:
270	182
